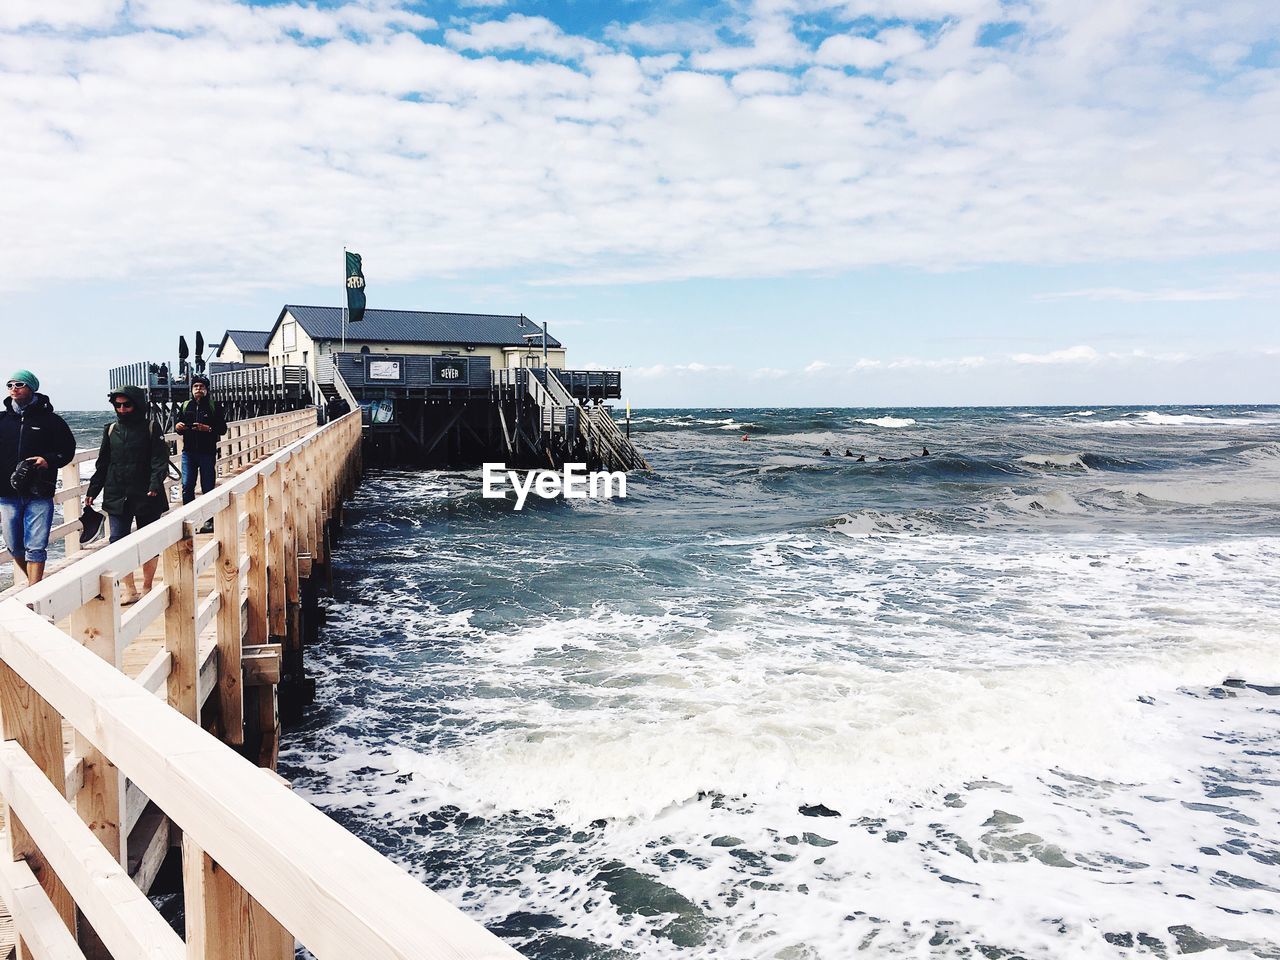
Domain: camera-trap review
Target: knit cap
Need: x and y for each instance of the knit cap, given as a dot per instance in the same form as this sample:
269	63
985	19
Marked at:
27	377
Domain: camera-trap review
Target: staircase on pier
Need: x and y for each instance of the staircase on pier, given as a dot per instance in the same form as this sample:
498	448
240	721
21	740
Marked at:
582	428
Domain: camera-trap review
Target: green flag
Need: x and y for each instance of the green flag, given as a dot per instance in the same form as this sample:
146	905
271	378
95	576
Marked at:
355	288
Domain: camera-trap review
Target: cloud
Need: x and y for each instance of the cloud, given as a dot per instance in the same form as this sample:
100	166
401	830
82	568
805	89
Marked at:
679	369
1077	354
869	53
817	366
750	147
523	34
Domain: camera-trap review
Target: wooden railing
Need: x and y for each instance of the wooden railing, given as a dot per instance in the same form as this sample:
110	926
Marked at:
261	866
246	442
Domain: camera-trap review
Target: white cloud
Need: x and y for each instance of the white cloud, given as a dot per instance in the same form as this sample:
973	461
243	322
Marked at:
279	133
1081	353
521	33
817	366
678	369
869	53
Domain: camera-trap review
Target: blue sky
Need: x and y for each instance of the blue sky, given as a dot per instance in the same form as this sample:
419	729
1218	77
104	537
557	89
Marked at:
808	202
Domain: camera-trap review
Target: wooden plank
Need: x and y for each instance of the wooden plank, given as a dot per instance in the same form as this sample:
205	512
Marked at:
140	616
292	529
223	921
120	913
276	582
268	726
180	625
44	935
29	722
262	664
255	545
226	527
148	845
100	797
209	552
206	611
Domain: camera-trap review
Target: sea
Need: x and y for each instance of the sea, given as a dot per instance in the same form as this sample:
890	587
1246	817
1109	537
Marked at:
1019	697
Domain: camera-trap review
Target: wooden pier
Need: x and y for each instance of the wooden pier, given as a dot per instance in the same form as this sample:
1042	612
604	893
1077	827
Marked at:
523	416
129	731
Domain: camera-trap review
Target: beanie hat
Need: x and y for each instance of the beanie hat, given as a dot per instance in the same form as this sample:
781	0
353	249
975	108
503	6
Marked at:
27	377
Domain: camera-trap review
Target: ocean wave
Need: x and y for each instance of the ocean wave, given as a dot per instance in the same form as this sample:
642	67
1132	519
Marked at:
887	422
1059	460
875	523
1207	492
1154	418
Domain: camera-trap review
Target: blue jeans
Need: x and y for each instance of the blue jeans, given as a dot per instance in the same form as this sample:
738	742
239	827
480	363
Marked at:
26	524
192	463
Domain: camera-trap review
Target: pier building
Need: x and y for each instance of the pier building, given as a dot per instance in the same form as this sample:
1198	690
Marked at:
434	389
304	335
243	347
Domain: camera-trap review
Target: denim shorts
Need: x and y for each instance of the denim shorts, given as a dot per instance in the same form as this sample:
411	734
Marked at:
26	523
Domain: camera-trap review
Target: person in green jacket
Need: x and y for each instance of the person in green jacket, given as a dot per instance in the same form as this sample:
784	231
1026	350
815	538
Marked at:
132	464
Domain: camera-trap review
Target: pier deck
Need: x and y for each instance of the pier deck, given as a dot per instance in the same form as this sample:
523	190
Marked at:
130	732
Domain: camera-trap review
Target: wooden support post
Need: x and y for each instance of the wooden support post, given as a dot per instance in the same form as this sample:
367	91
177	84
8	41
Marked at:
73	508
101	798
180	624
226	529
255	542
27	718
223	921
292	515
277	614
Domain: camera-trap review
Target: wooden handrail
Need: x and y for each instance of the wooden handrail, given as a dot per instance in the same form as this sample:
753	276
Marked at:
257	859
246	442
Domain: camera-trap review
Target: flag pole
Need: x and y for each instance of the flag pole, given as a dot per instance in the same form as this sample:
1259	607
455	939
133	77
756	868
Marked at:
344	298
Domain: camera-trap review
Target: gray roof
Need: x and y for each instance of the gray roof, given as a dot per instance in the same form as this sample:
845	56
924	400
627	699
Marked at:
251	341
419	326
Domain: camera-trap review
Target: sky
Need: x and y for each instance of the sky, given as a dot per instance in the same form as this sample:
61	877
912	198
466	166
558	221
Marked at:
746	203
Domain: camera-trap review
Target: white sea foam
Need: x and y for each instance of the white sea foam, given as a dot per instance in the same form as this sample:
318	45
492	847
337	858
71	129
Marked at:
1153	418
1022	733
888	422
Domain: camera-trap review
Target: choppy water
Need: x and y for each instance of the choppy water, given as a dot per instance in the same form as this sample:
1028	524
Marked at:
1015	698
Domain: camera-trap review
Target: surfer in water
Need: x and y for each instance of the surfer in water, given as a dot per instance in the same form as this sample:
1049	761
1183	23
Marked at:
926	452
848	452
826	452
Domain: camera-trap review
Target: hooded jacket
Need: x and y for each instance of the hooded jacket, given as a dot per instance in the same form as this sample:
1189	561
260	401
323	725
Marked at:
132	461
35	431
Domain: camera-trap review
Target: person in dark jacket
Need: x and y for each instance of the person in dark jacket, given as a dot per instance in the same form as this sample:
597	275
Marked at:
34	444
132	464
200	424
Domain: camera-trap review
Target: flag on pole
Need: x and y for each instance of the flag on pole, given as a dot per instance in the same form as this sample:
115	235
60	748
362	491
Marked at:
355	287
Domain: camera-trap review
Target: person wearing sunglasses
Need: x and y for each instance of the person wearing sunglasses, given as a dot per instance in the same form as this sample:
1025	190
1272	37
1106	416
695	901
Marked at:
34	443
133	461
